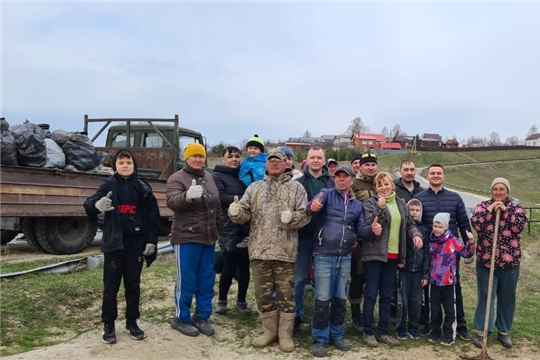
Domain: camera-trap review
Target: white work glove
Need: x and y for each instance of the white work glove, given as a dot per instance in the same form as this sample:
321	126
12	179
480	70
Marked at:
149	250
234	208
194	192
104	204
286	216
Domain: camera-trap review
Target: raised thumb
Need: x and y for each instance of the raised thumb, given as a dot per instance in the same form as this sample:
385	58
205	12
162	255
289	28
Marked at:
109	194
236	199
376	220
320	197
193	182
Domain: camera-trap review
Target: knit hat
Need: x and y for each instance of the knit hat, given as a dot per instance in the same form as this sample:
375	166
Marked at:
443	219
257	142
367	158
194	149
356	157
501	180
287	151
277	155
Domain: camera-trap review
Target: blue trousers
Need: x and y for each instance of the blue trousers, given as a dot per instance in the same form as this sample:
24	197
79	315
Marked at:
331	287
195	277
504	288
380	281
301	268
411	296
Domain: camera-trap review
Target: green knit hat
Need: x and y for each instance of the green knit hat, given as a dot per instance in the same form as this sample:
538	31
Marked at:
257	142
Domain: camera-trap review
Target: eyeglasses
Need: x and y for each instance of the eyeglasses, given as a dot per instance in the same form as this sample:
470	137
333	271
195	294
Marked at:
274	160
369	155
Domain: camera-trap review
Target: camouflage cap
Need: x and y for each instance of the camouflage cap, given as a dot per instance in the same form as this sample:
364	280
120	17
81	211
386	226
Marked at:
276	154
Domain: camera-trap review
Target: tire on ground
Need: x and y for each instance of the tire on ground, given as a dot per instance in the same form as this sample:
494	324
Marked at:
66	235
29	230
7	236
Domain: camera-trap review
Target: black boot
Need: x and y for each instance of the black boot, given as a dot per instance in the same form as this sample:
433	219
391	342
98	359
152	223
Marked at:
356	316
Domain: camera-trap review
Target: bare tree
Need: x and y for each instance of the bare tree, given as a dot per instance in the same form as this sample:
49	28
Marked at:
532	130
494	139
307	133
357	127
474	141
396	131
386	133
512	141
242	143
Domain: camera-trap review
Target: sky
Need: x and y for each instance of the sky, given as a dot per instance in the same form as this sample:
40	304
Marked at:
234	69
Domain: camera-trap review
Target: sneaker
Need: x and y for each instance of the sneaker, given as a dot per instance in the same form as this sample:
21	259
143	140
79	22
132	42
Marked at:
387	339
134	331
340	344
447	341
109	335
202	325
479	341
413	334
425	331
242	308
464	334
297	323
185	328
221	307
505	340
243	244
370	340
433	338
318	350
401	335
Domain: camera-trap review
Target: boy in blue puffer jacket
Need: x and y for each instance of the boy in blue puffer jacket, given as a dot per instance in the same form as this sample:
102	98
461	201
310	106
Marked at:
254	165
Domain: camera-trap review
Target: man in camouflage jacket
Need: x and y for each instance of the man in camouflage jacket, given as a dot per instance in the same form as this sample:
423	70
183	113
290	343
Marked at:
276	208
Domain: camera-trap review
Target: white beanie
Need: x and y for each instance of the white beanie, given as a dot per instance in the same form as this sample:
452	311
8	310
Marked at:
501	180
443	218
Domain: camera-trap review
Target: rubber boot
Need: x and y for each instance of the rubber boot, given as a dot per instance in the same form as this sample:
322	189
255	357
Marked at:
356	316
286	324
269	321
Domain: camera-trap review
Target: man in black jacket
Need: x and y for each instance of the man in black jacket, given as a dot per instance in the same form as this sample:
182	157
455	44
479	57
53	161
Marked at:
437	199
406	185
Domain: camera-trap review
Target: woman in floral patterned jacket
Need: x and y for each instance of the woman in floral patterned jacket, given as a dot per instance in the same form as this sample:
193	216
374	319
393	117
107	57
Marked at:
508	257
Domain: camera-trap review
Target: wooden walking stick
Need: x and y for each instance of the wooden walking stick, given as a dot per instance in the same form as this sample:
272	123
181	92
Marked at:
484	355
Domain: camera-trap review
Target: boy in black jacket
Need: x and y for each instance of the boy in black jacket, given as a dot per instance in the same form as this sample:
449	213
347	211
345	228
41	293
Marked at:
130	231
413	277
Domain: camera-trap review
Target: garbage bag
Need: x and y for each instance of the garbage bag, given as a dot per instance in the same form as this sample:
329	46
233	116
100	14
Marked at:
55	155
80	152
61	136
31	150
8	149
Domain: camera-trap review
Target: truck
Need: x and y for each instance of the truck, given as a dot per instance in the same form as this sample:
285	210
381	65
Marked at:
46	204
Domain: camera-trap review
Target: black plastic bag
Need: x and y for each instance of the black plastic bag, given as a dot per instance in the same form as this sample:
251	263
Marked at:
8	148
80	152
31	149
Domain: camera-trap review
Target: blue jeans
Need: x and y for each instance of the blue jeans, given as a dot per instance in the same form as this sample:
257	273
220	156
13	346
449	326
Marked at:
301	268
504	288
380	281
195	276
331	275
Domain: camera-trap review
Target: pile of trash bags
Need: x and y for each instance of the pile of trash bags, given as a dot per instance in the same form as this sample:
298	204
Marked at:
34	145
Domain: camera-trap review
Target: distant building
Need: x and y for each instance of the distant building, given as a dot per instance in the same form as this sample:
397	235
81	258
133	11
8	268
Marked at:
431	140
367	141
533	140
451	144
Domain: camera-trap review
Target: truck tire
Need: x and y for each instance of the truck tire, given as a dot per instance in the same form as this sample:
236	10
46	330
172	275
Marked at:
8	235
66	235
29	230
165	227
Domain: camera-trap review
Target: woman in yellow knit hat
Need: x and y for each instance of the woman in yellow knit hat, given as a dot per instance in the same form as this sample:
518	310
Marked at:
197	224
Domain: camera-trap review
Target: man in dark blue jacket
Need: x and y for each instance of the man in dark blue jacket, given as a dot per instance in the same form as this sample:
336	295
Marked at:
315	178
340	219
437	199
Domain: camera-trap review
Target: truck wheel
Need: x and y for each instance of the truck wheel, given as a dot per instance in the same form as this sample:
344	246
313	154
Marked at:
8	235
165	227
66	235
29	230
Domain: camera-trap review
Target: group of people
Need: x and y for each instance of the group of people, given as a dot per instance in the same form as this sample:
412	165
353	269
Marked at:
367	237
